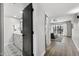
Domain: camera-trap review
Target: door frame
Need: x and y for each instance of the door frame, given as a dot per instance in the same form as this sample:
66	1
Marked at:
45	32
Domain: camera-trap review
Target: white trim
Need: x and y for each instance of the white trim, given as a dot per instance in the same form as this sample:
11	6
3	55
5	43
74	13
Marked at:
76	46
43	53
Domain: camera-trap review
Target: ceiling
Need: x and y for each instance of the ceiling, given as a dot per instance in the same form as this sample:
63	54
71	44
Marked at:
51	9
59	9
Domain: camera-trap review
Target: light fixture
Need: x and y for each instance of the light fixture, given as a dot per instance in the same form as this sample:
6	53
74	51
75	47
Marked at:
73	11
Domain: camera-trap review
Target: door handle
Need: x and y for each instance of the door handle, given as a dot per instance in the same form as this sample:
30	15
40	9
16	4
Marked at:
23	35
32	32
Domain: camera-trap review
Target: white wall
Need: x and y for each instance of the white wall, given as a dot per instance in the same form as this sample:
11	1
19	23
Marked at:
75	32
39	30
8	29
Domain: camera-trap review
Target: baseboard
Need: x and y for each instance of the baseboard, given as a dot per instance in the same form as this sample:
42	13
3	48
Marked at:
43	53
69	36
76	46
78	49
66	36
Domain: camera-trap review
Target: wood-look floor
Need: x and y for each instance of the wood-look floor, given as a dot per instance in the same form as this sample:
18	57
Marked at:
64	48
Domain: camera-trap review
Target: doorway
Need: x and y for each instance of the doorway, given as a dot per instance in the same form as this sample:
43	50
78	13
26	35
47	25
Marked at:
18	38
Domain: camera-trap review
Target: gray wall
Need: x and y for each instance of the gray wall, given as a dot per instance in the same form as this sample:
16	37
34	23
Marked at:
75	32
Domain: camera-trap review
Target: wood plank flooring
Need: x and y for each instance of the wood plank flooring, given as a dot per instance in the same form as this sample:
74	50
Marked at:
65	47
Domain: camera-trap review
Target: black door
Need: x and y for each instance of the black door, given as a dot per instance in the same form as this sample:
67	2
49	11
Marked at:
28	31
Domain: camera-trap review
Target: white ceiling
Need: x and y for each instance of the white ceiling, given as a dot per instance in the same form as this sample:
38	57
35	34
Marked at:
51	9
59	9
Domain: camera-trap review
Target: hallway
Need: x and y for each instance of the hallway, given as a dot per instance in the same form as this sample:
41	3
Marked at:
29	32
64	48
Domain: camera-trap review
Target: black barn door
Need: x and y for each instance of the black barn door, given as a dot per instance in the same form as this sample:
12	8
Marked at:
28	30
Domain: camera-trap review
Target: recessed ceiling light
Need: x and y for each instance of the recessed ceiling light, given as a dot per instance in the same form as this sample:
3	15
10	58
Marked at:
73	11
